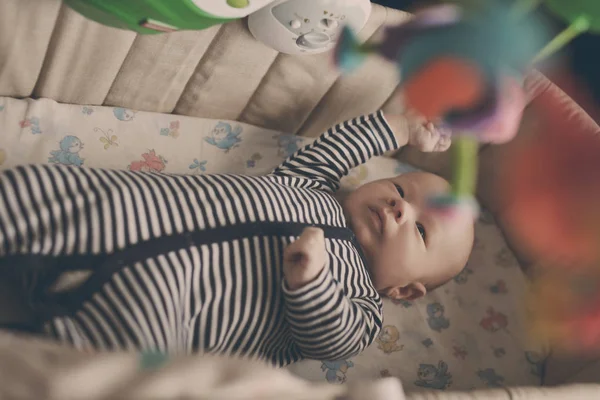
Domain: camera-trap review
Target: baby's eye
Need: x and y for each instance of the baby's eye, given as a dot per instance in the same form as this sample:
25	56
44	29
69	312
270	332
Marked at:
421	230
400	190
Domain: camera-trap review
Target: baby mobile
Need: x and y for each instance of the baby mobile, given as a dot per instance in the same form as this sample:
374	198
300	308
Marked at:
465	65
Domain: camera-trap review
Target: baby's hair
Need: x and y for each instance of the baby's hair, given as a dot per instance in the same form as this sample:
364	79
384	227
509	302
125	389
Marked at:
431	288
437	285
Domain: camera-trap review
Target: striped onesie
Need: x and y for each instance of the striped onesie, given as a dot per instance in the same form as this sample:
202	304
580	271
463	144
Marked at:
183	263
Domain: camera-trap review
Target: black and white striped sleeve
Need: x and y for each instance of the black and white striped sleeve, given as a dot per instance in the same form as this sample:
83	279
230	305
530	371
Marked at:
341	148
326	324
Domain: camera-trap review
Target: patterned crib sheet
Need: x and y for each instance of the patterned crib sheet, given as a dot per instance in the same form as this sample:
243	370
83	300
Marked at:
467	334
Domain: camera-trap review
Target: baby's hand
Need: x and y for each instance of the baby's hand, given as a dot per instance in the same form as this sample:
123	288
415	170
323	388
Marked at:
425	136
305	258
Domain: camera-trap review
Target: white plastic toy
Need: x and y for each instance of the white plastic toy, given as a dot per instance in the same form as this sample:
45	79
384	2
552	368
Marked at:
307	26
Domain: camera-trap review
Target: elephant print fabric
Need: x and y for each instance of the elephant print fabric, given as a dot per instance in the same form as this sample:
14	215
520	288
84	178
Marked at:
434	377
68	154
225	137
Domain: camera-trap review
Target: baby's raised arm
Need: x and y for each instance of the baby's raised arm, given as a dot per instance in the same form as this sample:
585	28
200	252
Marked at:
341	148
352	143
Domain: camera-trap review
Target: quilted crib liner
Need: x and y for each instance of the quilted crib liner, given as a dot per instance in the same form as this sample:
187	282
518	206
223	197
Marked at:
222	72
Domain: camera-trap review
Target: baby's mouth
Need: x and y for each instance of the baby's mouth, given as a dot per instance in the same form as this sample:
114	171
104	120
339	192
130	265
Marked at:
378	220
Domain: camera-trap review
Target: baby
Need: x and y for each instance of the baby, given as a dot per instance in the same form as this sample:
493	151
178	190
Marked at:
269	267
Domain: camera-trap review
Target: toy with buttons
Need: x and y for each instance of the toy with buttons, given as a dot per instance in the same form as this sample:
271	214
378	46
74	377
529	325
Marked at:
307	26
156	16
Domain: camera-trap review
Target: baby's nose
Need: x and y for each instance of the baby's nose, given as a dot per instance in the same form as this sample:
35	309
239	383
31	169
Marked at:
396	207
400	210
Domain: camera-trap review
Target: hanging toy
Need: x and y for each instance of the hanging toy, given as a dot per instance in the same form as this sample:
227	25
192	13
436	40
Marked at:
463	67
580	15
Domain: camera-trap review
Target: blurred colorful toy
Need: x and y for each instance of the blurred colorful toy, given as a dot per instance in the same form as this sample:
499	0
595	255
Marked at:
464	67
454	63
303	27
551	189
156	16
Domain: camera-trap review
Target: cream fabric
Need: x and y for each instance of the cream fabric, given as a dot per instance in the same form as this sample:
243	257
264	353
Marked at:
31	369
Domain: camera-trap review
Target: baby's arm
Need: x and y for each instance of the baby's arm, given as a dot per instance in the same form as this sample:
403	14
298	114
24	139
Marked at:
341	148
352	143
326	324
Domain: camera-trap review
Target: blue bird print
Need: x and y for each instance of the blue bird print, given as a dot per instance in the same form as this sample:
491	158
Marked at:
224	136
123	114
70	146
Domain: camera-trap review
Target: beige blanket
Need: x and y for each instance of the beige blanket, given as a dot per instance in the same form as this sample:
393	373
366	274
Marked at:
38	370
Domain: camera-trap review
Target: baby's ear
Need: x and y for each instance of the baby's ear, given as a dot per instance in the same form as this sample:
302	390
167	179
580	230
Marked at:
410	292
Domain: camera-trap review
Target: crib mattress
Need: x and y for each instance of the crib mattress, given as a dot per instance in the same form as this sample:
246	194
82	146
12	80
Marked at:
467	334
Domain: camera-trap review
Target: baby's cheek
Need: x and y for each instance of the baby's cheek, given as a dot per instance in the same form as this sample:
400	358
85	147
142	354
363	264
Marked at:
398	260
385	263
366	241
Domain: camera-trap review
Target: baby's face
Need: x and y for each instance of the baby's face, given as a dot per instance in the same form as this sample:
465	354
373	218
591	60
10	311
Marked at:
406	244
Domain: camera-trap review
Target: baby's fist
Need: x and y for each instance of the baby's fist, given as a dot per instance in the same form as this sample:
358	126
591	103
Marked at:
425	136
305	258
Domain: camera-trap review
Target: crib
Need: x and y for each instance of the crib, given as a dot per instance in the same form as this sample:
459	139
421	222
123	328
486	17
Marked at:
217	100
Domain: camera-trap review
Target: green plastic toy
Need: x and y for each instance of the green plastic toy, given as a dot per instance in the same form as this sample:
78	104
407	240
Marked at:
156	16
